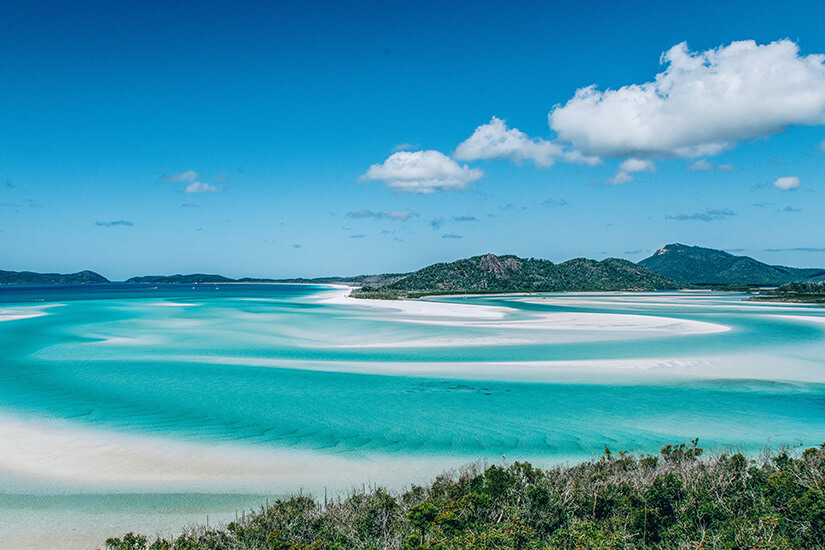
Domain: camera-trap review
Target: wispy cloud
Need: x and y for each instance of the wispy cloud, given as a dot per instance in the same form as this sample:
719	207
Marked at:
115	223
422	172
200	187
797	249
194	182
709	215
702	165
786	183
188	176
550	203
403	215
701	104
406	147
436	223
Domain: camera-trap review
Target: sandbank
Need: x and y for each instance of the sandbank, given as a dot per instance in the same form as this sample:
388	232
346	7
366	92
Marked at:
423	308
25	312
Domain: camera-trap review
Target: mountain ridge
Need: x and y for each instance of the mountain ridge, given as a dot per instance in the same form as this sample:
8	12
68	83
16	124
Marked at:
489	273
708	266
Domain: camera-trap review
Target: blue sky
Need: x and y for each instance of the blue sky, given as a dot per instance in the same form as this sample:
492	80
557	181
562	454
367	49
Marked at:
307	139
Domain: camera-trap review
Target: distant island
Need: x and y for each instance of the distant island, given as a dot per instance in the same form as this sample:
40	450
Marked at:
31	278
674	266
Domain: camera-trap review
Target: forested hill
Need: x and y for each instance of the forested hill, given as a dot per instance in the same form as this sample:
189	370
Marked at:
698	265
491	273
32	278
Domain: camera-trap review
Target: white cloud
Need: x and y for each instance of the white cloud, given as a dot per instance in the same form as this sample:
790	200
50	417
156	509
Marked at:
188	176
629	167
786	183
701	104
200	187
495	140
422	172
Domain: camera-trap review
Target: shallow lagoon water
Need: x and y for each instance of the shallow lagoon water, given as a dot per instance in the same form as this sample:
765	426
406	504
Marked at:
278	376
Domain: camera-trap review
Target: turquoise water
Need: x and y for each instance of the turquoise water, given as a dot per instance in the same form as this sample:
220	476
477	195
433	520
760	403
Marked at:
266	368
124	362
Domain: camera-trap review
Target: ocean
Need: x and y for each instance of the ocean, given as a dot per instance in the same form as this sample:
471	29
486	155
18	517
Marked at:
150	407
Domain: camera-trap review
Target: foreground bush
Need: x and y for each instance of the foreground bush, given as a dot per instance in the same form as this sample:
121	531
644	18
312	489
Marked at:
674	500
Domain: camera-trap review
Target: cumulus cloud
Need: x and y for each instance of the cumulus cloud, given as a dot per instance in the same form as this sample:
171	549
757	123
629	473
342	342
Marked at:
787	183
495	140
709	215
629	167
115	223
702	103
422	172
383	215
200	187
188	176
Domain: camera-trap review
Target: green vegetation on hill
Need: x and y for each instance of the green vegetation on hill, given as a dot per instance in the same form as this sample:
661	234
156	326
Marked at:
674	500
491	273
31	278
706	266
